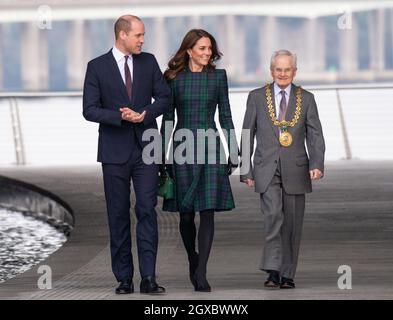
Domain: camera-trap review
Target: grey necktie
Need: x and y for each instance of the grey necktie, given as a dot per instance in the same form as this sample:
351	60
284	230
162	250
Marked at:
283	106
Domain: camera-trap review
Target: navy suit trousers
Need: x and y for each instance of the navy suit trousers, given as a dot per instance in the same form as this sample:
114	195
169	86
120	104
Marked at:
117	183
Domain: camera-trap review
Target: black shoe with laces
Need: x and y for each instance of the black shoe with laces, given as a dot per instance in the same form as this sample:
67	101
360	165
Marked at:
149	286
125	286
273	280
287	283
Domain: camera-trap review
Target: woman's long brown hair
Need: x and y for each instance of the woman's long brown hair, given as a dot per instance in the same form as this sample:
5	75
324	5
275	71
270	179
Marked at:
180	60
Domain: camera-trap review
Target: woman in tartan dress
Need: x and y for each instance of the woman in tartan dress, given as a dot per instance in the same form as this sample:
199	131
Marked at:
201	182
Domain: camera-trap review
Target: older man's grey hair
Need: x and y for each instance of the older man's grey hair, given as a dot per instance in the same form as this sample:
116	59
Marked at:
283	52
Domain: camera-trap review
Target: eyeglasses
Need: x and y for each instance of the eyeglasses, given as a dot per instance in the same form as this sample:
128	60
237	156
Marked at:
285	71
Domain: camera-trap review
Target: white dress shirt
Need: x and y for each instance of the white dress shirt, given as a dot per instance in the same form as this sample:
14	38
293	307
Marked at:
119	57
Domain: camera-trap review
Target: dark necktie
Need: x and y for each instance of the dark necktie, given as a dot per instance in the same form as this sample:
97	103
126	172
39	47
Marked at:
127	74
283	106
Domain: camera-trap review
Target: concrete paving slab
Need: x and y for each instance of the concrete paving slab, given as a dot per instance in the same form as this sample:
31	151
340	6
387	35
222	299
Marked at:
348	221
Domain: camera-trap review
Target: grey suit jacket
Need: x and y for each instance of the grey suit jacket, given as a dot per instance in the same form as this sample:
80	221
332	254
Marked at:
295	162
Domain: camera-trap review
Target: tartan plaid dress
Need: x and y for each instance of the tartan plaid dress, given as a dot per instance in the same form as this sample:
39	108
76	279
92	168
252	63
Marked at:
201	181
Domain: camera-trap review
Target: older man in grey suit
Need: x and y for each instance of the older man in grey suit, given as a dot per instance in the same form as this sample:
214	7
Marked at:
282	117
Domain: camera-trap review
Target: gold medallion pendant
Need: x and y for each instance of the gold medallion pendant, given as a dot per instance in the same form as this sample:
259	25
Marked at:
285	139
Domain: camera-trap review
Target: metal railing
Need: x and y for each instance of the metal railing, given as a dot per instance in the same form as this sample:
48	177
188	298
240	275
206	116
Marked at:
18	138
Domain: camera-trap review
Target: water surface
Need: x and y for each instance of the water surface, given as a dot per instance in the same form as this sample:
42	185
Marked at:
24	242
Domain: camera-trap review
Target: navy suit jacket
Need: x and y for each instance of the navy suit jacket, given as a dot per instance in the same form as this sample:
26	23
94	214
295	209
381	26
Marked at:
104	93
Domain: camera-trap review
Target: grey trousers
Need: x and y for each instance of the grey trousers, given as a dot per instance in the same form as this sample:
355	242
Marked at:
283	217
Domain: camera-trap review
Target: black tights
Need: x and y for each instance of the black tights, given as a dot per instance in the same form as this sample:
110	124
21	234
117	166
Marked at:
205	237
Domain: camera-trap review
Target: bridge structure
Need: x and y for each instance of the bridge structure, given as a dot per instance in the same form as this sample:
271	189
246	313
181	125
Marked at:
47	47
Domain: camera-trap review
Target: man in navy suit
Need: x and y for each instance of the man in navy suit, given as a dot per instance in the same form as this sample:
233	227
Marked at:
118	91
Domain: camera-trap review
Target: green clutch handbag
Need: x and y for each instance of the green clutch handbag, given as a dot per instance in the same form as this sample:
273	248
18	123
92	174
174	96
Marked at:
166	187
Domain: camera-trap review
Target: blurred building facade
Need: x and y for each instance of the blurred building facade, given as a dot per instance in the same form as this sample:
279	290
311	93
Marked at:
48	50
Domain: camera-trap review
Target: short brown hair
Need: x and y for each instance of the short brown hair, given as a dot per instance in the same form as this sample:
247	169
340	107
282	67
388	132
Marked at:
124	23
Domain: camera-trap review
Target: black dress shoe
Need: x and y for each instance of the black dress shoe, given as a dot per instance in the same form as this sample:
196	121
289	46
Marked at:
273	280
193	260
125	286
287	283
150	286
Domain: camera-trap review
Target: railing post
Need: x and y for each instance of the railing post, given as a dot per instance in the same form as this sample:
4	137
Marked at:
17	131
348	154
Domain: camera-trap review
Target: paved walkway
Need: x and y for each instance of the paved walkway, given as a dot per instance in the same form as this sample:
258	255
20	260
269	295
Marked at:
348	221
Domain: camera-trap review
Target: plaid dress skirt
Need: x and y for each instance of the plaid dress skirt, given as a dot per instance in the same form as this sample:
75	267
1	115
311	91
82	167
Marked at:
199	162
